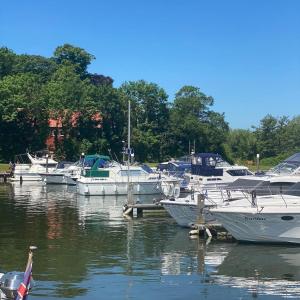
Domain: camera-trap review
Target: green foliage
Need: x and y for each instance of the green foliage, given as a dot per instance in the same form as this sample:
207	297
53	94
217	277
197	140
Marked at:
35	64
23	115
93	114
75	56
243	144
193	122
7	60
149	115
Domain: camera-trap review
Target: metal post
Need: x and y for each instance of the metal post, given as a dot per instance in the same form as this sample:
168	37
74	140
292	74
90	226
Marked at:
257	162
124	149
129	185
47	157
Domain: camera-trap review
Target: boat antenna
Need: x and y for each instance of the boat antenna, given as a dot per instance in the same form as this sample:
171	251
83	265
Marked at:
115	156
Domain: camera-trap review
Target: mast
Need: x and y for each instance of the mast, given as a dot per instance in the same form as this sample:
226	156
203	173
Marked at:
128	138
129	186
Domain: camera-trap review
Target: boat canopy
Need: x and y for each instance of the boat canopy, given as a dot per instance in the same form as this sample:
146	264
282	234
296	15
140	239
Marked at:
248	185
96	161
175	166
208	164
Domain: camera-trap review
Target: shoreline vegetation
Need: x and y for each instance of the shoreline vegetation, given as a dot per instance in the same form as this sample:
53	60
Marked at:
35	89
252	167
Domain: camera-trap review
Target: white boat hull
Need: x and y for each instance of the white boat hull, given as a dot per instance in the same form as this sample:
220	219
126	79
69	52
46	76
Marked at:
185	215
186	212
97	186
25	177
281	227
56	178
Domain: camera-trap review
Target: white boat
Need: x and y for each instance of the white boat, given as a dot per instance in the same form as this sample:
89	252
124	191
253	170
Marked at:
278	180
268	219
186	211
114	179
210	170
209	175
57	176
191	210
177	169
68	173
30	170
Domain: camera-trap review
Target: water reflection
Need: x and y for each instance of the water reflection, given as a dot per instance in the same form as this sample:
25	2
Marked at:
87	249
262	269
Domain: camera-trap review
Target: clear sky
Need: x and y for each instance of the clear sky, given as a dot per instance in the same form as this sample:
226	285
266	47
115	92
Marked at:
244	53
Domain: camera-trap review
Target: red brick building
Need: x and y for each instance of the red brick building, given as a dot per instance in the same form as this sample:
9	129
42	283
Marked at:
56	127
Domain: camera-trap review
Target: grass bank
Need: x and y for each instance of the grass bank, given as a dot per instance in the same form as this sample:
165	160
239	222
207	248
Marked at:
4	168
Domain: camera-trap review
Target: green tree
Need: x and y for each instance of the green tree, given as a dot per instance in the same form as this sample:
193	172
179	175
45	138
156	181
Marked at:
75	56
193	122
242	144
7	61
149	115
271	135
23	114
35	64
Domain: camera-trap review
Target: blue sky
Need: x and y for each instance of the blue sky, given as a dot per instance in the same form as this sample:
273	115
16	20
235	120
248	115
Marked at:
244	53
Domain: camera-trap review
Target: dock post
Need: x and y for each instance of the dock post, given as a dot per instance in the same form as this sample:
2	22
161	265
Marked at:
200	206
21	179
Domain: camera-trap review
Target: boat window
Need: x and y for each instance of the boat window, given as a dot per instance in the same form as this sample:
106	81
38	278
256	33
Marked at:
213	179
239	172
211	162
287	218
132	173
49	165
197	160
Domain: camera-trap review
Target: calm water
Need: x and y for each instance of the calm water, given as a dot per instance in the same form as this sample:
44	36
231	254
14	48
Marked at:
87	250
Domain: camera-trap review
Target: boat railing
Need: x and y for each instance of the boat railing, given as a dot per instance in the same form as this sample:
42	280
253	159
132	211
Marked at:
269	195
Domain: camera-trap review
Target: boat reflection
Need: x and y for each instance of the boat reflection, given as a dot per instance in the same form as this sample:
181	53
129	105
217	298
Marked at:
262	270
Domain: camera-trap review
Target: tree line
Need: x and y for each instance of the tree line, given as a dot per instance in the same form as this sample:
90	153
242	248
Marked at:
34	89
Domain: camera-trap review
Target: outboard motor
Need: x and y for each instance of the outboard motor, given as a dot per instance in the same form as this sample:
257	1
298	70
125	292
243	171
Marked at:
16	285
10	282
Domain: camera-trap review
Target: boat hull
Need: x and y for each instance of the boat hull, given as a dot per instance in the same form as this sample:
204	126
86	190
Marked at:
56	178
185	215
281	227
100	187
25	177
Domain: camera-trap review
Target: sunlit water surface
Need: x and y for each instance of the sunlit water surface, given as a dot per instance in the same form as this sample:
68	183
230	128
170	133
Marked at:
88	250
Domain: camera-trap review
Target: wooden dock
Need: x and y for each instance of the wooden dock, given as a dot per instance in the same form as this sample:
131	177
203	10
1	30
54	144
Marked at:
4	176
137	209
210	230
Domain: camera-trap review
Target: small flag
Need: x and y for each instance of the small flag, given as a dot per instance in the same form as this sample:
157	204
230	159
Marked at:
23	289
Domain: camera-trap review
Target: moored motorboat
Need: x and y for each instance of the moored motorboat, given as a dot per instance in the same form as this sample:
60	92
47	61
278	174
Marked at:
210	171
28	167
273	218
68	173
111	178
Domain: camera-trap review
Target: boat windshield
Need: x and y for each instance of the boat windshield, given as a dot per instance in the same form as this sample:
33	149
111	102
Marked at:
132	173
288	166
239	172
222	163
284	168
